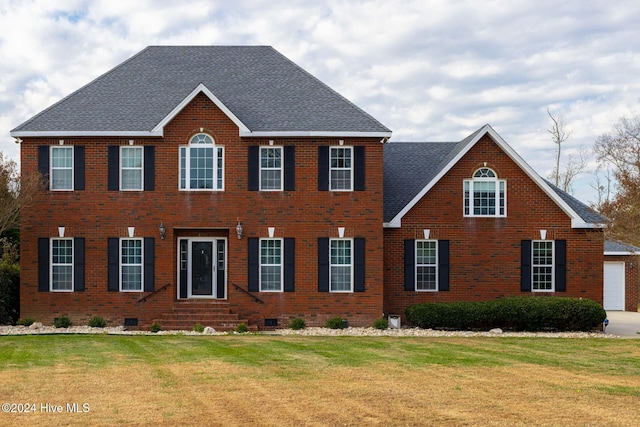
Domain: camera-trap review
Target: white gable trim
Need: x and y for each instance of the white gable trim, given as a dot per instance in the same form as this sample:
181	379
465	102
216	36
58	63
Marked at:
200	88
576	220
620	253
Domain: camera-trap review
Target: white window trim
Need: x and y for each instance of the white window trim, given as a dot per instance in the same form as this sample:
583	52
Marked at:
346	291
497	182
272	169
120	264
553	267
216	158
51	168
121	168
281	265
73	285
415	272
351	169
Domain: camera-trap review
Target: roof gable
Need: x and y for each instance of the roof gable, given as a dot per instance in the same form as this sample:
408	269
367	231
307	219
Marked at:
262	91
404	191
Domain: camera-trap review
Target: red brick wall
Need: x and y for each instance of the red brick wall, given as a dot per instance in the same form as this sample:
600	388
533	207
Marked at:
485	252
631	278
305	214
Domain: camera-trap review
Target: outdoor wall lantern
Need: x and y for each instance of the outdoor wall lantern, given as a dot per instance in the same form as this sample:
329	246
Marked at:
239	230
162	230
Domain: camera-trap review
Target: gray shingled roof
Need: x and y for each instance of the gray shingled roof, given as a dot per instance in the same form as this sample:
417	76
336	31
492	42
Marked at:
410	166
262	88
585	212
619	247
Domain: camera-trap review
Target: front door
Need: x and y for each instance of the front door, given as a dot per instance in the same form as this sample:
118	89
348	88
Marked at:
202	268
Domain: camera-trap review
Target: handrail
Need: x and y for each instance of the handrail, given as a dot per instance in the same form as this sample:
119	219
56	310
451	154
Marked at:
146	297
256	299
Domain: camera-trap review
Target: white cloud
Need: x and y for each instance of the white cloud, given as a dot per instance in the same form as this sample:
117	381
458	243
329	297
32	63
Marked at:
429	70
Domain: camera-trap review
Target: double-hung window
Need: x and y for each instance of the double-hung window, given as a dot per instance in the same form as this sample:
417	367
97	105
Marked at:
61	175
341	168
426	265
271	169
271	265
131	168
61	278
340	265
201	164
485	194
542	266
131	264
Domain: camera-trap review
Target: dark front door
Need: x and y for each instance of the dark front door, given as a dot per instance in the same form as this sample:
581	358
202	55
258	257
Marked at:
201	264
202	268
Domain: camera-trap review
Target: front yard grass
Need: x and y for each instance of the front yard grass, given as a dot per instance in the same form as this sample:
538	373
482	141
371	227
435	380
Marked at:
297	380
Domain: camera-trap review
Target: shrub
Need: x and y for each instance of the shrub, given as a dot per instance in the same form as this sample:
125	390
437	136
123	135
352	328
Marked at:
62	322
155	327
381	323
9	285
198	328
297	324
27	321
514	313
97	322
335	323
242	328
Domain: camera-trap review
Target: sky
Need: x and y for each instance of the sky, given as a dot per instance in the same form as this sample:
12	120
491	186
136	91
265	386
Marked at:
428	70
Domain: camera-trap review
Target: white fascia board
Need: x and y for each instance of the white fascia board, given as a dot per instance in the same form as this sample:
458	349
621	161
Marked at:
200	88
620	253
45	134
392	224
285	134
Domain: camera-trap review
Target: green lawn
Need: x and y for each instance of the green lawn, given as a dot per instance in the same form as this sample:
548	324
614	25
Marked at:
297	380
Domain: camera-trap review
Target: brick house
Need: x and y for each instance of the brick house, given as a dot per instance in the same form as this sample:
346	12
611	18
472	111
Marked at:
621	278
225	184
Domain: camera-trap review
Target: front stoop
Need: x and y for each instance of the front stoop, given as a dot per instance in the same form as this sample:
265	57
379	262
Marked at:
216	314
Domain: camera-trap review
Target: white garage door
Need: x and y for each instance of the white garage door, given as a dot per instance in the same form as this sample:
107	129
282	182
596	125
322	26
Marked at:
613	286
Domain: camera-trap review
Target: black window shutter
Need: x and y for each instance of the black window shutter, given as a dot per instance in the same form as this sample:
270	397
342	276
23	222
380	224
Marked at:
253	274
323	264
149	168
409	265
359	175
78	264
113	275
43	167
561	265
443	265
254	168
43	264
78	166
289	264
358	265
290	168
113	168
525	266
323	168
149	263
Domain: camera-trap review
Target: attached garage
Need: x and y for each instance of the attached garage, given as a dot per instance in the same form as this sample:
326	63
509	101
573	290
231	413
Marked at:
621	279
614	284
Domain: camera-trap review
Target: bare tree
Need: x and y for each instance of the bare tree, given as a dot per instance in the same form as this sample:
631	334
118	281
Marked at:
575	165
16	192
620	150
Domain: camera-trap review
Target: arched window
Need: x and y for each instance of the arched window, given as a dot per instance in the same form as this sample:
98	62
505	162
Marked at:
485	194
201	164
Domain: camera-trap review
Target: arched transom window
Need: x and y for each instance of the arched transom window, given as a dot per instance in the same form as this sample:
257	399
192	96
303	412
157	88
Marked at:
201	164
485	194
